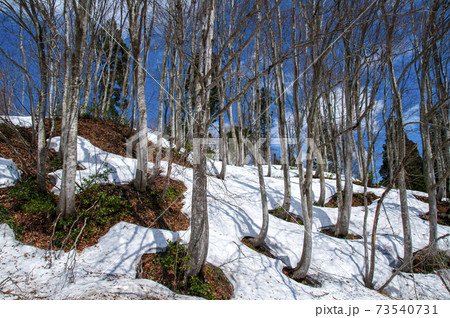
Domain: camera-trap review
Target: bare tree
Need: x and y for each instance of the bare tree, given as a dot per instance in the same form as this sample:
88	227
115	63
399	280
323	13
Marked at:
137	17
66	202
205	66
390	21
259	240
313	14
280	88
427	38
198	242
354	44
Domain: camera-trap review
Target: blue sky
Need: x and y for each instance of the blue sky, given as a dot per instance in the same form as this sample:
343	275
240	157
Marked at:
9	42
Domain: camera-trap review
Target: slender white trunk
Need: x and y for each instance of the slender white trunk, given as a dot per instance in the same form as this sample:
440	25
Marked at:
66	203
162	83
401	148
123	104
259	240
136	15
199	239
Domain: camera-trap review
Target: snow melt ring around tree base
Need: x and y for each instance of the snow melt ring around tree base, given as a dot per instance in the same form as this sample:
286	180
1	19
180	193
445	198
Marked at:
106	270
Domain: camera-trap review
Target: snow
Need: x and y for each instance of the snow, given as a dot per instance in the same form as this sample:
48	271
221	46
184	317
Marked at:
9	174
235	212
103	271
21	121
153	138
211	169
108	269
97	165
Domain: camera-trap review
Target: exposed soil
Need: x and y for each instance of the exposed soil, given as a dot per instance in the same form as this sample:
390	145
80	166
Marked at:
443	211
106	135
427	261
370	185
123	202
261	249
308	280
167	268
179	158
289	217
358	200
20	141
99	207
330	232
145	209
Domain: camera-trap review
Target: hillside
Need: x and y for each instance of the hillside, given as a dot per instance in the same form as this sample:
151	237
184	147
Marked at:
108	269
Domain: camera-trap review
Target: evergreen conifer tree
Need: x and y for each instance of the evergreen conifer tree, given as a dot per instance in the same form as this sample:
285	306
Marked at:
414	168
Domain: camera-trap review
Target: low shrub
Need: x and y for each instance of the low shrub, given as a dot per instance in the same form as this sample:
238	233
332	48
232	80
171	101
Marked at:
169	267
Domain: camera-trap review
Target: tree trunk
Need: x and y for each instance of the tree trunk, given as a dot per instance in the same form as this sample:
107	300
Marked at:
240	137
342	224
301	270
320	165
140	181
42	150
343	221
107	74
160	128
123	104
87	87
281	111
426	97
407	245
259	240
66	203
223	136
199	239
428	168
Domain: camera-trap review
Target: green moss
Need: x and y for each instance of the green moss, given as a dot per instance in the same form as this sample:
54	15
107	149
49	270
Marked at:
173	262
55	163
172	194
30	200
279	213
97	210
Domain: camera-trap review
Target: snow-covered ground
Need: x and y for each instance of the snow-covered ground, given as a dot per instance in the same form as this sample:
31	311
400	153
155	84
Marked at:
23	121
108	269
9	174
96	166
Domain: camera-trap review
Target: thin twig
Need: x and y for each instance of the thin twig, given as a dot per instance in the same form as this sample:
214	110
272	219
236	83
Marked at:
443	280
398	270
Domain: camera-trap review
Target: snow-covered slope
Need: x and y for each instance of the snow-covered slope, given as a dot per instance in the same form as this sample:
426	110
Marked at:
235	212
104	271
107	270
22	121
97	165
9	174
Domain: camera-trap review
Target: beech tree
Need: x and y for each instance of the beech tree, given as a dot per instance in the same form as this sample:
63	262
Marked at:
390	25
199	239
313	15
205	66
276	43
139	42
427	36
256	99
66	202
29	16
